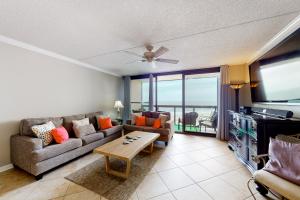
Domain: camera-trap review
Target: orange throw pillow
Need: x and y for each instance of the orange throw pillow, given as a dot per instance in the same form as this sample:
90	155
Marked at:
140	120
60	135
105	123
157	123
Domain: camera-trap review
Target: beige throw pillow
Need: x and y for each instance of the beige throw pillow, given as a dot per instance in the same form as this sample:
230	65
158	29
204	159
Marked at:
163	120
81	122
84	130
44	132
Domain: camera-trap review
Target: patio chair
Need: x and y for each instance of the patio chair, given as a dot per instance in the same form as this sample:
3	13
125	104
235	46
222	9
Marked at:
211	122
191	119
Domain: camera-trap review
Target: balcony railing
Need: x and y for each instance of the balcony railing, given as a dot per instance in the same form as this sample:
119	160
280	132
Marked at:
204	113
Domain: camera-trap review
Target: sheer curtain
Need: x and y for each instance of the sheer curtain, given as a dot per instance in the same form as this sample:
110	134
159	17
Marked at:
225	103
127	108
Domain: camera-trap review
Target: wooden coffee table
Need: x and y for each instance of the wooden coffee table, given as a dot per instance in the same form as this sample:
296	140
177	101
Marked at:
117	149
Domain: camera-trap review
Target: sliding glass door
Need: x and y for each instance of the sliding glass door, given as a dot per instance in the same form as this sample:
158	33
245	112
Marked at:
200	103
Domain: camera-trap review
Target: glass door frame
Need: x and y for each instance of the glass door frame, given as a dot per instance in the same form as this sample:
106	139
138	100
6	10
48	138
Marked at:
184	130
184	73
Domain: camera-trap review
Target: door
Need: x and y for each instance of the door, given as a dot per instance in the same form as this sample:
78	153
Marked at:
200	103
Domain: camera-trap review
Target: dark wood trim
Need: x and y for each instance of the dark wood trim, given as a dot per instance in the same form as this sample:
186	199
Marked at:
186	72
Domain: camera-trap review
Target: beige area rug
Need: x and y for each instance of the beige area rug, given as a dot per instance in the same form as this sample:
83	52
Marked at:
94	177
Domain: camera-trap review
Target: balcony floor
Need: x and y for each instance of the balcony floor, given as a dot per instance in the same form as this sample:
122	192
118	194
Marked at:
179	127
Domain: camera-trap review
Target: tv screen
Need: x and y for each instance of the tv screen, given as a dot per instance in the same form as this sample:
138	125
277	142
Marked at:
275	77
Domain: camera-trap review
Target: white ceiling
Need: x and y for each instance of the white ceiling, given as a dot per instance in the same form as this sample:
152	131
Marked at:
199	33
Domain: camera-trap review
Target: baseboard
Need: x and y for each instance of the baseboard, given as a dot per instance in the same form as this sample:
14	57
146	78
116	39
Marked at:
6	167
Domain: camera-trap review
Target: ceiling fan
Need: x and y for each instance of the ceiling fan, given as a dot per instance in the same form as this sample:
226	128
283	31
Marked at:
150	56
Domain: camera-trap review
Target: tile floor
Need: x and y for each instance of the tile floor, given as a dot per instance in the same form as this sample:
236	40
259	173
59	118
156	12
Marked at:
191	168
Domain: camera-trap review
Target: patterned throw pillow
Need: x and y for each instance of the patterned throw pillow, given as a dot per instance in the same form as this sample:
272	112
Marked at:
44	132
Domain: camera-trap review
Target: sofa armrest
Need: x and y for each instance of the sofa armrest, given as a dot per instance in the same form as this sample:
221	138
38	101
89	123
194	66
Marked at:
170	125
21	150
27	142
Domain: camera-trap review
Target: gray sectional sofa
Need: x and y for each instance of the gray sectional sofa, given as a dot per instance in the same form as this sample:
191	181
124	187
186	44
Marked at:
28	153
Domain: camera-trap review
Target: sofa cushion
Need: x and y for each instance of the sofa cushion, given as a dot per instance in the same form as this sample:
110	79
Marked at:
55	149
68	122
87	139
26	124
112	130
92	118
128	127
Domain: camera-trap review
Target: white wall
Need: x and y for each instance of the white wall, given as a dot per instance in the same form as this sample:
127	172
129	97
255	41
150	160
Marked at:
34	85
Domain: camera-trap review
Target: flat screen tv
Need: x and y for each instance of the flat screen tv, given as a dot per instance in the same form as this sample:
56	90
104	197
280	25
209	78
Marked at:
275	77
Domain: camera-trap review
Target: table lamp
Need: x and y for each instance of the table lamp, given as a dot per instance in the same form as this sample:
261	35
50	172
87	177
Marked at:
118	105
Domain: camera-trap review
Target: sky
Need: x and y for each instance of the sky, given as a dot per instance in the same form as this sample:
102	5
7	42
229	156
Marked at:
199	91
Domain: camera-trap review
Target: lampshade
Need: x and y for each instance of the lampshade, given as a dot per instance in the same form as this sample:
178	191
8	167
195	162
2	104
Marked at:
237	84
238	76
118	104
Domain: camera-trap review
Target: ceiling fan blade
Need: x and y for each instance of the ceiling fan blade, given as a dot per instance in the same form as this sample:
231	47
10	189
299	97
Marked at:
133	53
135	61
167	60
160	51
